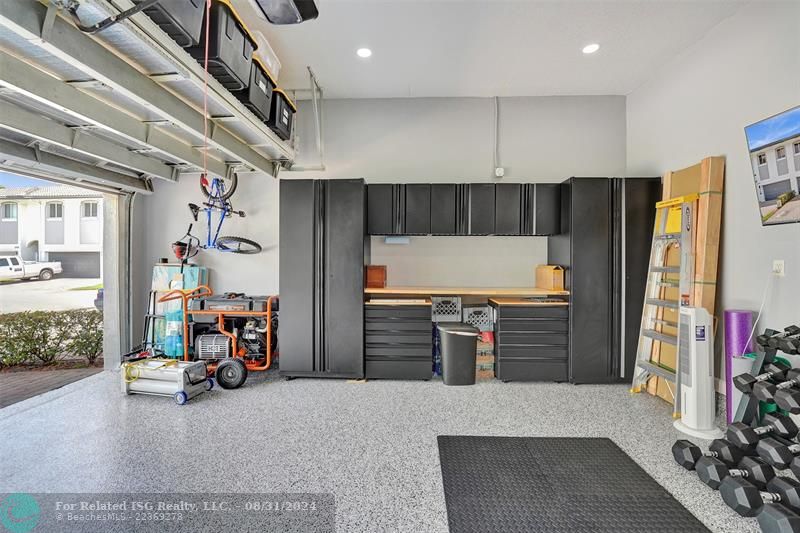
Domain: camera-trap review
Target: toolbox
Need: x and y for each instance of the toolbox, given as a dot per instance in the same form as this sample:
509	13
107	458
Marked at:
226	302
182	20
230	47
257	96
281	114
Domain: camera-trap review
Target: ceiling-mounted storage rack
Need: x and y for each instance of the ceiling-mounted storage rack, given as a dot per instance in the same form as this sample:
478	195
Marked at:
127	101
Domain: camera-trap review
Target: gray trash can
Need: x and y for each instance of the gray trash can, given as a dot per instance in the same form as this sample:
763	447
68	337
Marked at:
459	342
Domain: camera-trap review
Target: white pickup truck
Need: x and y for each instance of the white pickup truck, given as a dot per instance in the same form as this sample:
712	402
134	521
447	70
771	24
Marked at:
13	267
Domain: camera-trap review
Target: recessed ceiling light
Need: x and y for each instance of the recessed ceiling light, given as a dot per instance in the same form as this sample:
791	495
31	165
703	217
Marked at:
364	52
591	48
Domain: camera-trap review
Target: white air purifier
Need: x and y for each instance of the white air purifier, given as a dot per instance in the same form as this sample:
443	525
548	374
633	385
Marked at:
696	366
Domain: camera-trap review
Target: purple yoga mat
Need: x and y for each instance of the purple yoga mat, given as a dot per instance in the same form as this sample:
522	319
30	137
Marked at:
738	325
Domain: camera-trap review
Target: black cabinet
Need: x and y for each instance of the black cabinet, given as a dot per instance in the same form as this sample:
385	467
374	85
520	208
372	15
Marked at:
398	341
322	250
531	341
463	209
394	209
508	218
417	209
447	209
547	209
481	209
604	245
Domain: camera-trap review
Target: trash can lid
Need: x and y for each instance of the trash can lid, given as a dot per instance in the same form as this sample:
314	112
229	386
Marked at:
459	328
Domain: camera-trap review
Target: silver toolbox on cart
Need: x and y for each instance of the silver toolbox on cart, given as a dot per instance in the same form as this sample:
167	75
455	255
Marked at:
182	380
226	303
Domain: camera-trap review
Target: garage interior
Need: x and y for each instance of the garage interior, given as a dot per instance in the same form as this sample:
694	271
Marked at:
417	265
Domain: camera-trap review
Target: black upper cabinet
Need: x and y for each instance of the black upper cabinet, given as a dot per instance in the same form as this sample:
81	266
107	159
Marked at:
381	213
547	211
463	209
508	205
443	209
481	209
417	209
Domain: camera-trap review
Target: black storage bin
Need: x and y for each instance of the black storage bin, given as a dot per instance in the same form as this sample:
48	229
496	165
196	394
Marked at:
459	342
281	115
180	19
257	97
230	47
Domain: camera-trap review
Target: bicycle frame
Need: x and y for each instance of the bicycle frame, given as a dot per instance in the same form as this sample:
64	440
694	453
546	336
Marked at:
215	203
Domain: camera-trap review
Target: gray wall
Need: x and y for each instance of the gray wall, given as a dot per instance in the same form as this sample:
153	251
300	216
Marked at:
746	69
407	140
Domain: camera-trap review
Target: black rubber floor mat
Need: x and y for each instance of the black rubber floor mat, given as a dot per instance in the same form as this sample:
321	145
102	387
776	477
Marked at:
521	484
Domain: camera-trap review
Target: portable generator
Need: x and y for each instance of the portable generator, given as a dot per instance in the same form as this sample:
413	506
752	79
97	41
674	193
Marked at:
183	380
232	333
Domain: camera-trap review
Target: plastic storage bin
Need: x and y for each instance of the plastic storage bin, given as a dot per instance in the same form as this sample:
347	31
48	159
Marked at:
446	308
257	97
230	47
281	115
480	316
459	341
180	19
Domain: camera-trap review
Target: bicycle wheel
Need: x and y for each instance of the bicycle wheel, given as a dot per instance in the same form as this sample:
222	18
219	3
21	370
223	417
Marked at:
230	187
237	245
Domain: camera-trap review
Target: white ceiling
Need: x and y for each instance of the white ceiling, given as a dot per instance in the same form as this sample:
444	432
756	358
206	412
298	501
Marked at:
487	48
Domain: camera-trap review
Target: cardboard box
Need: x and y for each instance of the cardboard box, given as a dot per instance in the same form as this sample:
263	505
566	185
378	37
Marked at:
484	367
376	276
550	277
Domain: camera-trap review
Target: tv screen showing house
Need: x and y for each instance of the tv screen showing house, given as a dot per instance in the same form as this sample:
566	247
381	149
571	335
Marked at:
774	145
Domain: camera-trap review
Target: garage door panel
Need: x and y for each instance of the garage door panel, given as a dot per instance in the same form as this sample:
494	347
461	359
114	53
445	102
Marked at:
78	264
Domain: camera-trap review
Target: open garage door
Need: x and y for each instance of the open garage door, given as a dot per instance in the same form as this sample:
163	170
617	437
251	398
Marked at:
78	264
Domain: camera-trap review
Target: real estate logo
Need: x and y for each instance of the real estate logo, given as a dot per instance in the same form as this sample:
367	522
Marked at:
19	513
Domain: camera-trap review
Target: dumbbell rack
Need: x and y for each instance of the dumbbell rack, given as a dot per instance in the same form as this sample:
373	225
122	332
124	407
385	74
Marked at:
674	227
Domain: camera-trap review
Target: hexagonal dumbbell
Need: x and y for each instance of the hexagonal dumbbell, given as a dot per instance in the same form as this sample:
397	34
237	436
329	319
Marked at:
712	471
790	345
788	399
767	390
687	453
745	498
745	382
776	453
746	437
777	518
771	337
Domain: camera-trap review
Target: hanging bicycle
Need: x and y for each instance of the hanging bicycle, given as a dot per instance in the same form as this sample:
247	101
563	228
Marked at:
218	206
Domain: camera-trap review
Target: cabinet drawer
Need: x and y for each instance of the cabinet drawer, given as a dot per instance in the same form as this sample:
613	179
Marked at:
536	339
543	370
516	311
531	352
387	337
422	312
505	325
387	325
374	351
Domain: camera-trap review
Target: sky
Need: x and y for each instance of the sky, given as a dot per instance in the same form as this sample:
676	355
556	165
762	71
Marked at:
772	129
12	180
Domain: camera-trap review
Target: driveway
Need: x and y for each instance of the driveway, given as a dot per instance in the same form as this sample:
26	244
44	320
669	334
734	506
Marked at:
790	212
52	295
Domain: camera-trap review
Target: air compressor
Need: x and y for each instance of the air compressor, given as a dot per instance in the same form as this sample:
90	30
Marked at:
182	380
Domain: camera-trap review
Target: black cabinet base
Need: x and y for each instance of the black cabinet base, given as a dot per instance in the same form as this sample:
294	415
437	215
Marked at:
292	375
399	370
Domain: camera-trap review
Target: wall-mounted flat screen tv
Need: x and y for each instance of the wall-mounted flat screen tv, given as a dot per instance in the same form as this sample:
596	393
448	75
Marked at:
774	145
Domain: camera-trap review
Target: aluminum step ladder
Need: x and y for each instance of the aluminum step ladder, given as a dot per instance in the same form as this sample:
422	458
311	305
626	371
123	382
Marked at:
674	228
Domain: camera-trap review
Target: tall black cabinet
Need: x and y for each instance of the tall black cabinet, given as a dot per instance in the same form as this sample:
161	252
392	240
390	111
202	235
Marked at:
323	250
604	245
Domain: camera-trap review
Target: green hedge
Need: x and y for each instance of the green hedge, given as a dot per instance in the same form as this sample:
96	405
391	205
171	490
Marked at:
45	337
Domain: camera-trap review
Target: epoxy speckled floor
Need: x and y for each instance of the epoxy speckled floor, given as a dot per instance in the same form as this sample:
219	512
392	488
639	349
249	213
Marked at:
372	444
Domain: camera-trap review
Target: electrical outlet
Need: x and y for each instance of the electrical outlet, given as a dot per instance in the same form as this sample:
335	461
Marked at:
778	268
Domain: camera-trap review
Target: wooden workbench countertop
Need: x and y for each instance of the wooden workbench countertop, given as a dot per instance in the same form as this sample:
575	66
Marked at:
467	291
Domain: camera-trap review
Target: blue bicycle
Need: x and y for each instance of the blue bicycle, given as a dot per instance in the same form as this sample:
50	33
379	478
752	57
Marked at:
218	206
